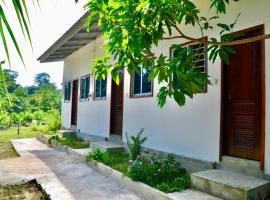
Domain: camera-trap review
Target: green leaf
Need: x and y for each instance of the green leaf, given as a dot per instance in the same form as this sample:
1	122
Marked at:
224	56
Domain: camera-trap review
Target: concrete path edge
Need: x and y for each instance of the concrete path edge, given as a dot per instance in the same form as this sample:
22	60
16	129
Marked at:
138	188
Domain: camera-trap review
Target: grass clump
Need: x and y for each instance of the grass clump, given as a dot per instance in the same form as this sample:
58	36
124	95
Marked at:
160	172
117	160
72	141
28	191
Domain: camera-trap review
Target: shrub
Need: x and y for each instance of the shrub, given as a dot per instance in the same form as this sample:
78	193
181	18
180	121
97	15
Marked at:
54	137
54	121
4	120
163	173
39	128
27	118
135	145
95	154
39	116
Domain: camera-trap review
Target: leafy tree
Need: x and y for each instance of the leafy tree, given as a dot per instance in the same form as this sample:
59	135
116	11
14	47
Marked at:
42	79
11	79
132	28
20	91
21	11
31	89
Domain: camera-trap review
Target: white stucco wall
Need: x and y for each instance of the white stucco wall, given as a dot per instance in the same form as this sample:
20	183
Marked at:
193	130
93	117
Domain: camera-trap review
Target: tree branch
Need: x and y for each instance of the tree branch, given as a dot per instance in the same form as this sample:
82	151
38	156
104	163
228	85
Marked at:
207	42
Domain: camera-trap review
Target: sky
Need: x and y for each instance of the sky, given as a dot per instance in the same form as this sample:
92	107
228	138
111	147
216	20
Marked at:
48	23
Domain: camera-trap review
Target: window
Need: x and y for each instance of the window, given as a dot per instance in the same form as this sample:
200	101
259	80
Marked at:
67	91
100	89
199	60
140	86
84	88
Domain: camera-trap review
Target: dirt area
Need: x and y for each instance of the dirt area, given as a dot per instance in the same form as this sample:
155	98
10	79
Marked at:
27	191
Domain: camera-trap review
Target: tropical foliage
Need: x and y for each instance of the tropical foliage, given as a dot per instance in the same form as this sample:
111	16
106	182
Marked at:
22	106
163	173
134	144
132	28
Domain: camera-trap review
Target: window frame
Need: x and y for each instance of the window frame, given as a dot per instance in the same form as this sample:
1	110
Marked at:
67	100
86	98
141	95
95	86
191	43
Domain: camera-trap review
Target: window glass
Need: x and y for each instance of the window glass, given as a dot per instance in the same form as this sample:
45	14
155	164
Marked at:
85	83
146	85
67	91
101	88
137	84
98	89
140	84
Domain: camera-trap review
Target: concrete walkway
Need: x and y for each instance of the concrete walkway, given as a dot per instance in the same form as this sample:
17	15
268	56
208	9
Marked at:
61	175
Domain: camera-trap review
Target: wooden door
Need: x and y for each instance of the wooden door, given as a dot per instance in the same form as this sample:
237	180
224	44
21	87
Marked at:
242	92
117	95
74	108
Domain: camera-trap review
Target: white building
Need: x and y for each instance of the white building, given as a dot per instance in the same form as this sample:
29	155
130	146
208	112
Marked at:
231	118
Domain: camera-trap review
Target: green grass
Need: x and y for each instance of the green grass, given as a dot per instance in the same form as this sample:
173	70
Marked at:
6	148
28	191
117	161
71	141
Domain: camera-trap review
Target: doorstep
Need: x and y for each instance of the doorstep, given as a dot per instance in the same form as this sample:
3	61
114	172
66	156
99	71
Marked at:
242	166
230	185
107	146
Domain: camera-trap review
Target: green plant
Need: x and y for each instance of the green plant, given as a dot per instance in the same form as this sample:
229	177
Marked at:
42	129
95	154
55	137
117	160
4	120
72	141
135	145
163	173
54	121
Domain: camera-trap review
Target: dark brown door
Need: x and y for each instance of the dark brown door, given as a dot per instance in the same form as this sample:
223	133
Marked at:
117	96
242	100
74	109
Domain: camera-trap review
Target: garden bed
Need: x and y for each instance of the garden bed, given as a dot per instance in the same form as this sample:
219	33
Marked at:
116	166
28	191
160	172
71	141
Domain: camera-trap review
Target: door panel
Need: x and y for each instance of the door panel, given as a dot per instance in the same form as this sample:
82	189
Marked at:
242	100
74	108
117	106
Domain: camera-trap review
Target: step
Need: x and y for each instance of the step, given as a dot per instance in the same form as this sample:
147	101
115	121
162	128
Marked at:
117	139
242	166
107	146
230	185
192	195
65	133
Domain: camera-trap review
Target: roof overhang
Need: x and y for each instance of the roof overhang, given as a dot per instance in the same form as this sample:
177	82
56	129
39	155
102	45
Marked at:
74	39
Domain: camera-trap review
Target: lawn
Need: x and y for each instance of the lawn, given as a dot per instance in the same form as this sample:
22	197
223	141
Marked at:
28	191
6	148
